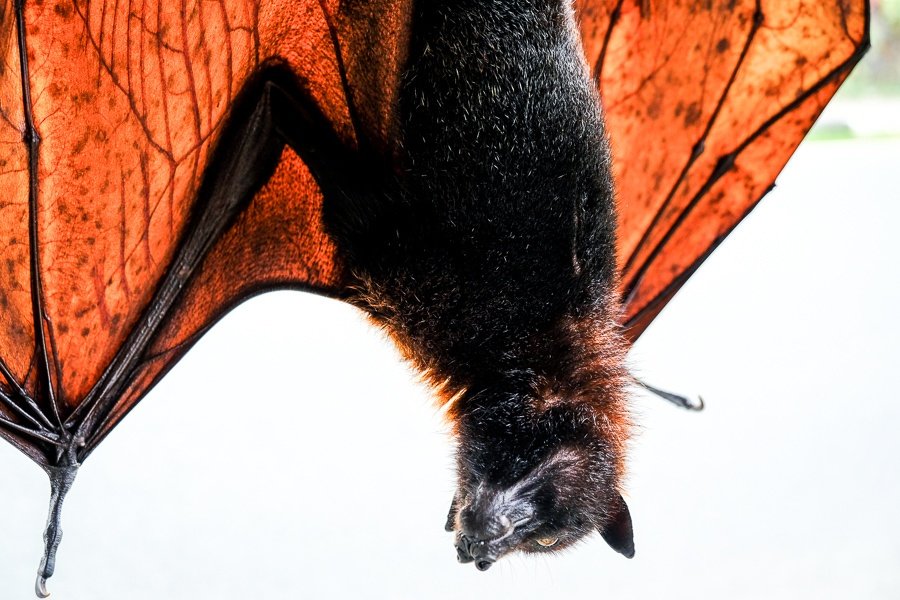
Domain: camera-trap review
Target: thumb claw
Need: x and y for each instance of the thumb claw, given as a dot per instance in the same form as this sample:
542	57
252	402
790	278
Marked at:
40	587
680	401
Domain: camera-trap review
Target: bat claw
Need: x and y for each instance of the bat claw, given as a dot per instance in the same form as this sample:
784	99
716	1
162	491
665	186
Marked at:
679	401
699	405
40	586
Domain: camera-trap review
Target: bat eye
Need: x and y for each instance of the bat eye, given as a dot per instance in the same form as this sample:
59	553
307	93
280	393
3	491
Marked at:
546	542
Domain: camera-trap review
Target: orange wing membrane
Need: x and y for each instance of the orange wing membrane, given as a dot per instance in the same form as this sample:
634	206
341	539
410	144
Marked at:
705	102
119	246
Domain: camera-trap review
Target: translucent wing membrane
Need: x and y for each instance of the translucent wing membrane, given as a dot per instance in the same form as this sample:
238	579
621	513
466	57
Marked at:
108	120
705	102
134	144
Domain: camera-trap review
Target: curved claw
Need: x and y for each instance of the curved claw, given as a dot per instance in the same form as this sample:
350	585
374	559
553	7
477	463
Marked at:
40	587
679	401
701	404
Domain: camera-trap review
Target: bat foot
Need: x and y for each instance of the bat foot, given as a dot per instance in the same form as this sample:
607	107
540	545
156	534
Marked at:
61	479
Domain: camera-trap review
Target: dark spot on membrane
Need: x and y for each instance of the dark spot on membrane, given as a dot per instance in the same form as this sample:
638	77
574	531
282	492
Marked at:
63	10
692	114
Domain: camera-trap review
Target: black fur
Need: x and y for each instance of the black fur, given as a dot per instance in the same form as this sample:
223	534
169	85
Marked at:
488	251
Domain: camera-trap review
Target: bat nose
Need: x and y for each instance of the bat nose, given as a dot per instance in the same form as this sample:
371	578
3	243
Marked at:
484	564
469	549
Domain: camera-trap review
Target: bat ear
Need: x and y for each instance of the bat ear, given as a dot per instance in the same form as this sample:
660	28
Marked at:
618	532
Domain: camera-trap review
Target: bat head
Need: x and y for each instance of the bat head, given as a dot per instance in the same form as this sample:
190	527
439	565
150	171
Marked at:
547	510
537	482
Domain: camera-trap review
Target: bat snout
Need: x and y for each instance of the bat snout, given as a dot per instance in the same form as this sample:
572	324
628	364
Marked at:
484	564
489	524
482	552
484	538
484	524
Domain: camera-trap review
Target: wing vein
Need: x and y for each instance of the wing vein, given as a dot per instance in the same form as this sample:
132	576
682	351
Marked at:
601	60
342	72
724	165
32	140
29	432
697	149
23	395
14	406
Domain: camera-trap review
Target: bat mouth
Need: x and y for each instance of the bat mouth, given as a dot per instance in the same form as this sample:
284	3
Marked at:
474	550
485	552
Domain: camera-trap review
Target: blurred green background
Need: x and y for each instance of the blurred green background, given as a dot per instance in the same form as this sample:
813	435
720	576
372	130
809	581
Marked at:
879	72
868	103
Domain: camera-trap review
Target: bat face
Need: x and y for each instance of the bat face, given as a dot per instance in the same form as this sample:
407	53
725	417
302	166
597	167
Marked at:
536	481
548	509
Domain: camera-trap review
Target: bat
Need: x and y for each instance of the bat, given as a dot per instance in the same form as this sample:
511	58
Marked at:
442	167
511	300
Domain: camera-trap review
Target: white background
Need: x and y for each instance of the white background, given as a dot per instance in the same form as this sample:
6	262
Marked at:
292	455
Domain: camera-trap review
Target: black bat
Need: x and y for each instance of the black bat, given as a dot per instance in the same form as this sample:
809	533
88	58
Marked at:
471	212
487	250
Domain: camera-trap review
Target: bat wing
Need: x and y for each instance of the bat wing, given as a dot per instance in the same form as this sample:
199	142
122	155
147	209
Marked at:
126	227
705	102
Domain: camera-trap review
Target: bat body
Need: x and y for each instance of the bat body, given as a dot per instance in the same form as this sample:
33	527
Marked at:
489	255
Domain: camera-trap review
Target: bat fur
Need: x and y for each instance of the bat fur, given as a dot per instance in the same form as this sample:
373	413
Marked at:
488	253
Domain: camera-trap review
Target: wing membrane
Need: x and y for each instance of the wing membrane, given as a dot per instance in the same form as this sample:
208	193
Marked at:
128	104
705	102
